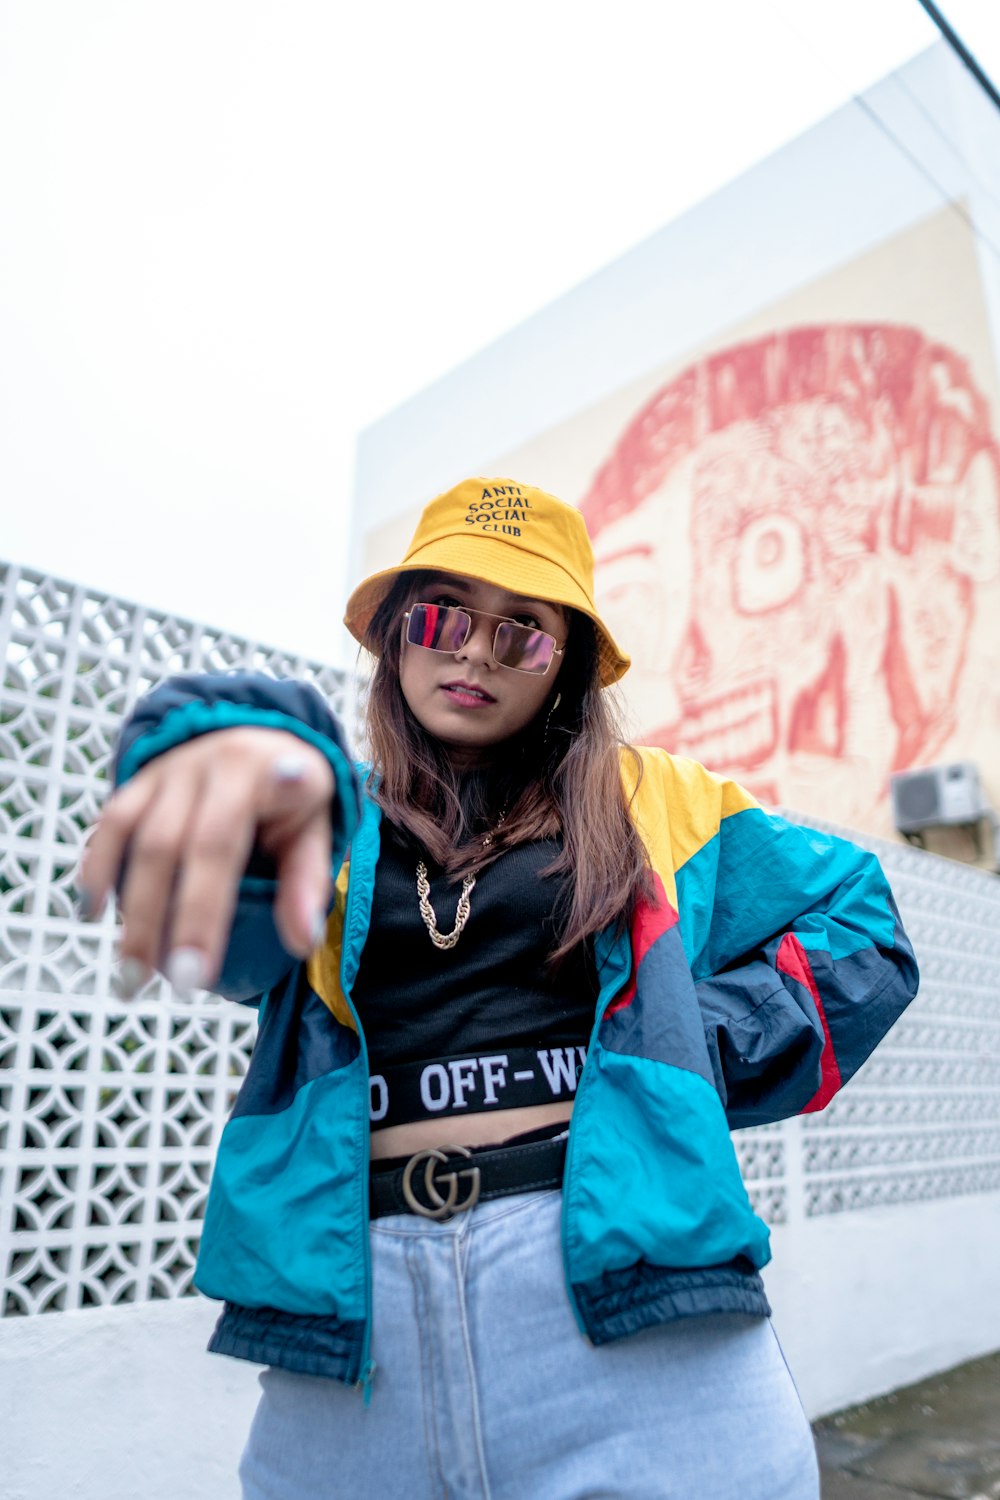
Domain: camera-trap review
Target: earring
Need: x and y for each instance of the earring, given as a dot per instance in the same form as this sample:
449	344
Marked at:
548	719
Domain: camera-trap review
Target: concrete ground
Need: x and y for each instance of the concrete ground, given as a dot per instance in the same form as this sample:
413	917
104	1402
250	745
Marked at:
940	1438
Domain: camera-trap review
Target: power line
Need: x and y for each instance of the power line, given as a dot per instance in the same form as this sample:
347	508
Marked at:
950	202
961	51
898	80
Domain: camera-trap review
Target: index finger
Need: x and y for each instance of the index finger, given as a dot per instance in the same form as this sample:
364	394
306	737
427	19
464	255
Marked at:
217	842
304	884
101	862
238	802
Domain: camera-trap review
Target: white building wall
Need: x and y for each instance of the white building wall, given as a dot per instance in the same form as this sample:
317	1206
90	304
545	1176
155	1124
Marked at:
882	1299
111	1403
885	1267
921	138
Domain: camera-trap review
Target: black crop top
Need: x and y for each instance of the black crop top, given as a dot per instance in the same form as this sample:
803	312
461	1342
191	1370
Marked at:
490	993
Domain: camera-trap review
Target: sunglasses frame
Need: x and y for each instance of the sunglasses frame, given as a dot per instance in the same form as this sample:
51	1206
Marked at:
463	609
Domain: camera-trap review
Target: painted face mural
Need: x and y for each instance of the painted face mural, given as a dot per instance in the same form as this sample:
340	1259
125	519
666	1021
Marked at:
839	487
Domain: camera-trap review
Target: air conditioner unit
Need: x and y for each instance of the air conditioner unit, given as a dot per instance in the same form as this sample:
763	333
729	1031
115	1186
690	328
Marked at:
937	796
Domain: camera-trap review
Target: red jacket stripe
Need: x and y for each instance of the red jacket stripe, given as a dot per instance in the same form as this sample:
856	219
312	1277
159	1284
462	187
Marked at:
792	960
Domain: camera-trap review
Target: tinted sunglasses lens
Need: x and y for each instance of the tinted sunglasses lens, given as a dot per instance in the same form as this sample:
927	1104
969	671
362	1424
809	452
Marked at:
439	627
522	648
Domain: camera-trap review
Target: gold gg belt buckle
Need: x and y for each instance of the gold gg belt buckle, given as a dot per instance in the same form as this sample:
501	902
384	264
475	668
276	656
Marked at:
434	1205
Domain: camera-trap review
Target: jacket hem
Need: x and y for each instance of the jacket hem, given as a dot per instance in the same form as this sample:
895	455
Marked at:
303	1344
621	1303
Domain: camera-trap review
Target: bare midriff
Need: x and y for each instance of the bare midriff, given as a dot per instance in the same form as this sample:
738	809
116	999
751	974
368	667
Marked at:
486	1129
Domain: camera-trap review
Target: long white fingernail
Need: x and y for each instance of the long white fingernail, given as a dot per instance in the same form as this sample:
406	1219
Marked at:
289	768
318	930
87	906
187	971
129	978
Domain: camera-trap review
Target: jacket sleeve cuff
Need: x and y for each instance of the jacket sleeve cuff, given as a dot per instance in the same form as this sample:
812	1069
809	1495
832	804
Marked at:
194	706
186	707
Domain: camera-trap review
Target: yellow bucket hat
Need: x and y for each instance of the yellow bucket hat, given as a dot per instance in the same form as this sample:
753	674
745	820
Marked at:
508	534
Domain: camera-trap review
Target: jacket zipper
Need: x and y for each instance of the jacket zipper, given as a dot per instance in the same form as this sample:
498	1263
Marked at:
366	1370
366	1373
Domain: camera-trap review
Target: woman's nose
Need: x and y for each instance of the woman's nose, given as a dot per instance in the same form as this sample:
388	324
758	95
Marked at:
479	645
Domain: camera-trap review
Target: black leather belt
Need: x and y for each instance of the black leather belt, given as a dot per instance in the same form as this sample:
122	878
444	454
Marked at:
439	1183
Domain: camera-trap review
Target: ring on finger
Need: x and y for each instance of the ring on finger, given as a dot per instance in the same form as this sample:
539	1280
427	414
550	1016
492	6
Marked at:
289	768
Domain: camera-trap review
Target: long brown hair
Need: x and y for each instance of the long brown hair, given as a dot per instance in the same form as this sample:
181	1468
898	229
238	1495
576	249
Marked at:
561	774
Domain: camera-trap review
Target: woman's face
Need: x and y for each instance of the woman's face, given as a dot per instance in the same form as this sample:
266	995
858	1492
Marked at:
465	698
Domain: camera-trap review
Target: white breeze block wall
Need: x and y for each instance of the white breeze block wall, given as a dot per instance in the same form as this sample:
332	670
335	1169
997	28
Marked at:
885	1262
885	1209
109	1111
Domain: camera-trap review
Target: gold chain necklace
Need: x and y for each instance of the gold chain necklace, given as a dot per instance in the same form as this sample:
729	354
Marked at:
445	940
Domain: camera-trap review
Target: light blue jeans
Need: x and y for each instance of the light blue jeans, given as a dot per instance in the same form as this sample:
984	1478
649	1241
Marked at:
486	1390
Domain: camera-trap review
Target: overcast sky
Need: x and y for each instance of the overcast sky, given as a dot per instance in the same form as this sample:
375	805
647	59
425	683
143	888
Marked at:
234	232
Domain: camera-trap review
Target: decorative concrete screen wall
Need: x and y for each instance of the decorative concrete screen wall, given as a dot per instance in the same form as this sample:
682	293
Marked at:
921	1120
110	1112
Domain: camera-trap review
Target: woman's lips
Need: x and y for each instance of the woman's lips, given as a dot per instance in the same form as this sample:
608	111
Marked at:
467	694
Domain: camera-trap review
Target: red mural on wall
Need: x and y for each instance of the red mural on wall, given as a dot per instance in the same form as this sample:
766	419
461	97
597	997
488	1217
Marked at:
834	492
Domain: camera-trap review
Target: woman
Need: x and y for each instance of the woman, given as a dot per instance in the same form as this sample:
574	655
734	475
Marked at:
543	1274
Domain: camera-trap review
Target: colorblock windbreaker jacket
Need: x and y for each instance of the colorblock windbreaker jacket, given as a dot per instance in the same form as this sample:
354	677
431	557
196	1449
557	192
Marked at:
767	969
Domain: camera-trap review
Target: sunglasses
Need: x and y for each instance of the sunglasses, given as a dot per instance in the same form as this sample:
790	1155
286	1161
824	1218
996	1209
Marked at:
444	627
